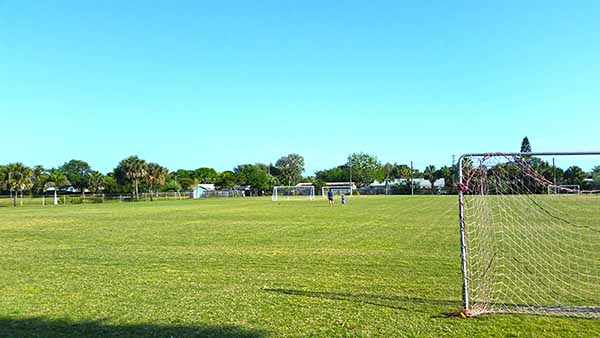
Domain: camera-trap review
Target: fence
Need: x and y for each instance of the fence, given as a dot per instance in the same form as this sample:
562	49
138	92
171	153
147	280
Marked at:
48	199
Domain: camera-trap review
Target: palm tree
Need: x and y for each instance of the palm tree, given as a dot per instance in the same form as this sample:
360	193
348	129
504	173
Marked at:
3	177
388	168
56	179
156	176
96	182
17	179
7	181
432	175
38	177
135	169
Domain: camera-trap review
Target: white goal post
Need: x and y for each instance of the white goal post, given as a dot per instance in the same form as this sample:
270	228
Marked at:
564	189
337	189
293	192
525	249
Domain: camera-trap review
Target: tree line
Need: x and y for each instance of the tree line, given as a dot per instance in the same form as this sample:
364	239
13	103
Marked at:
134	175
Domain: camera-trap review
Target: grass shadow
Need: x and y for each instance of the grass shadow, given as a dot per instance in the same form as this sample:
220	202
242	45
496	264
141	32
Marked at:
53	328
391	302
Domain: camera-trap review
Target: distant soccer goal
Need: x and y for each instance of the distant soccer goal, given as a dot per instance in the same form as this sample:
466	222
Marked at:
564	189
525	246
297	192
338	188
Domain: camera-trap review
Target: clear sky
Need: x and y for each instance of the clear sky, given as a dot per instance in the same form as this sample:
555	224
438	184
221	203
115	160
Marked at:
219	83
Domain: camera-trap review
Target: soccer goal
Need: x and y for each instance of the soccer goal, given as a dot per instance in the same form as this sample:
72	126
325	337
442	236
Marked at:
298	192
524	250
564	189
337	189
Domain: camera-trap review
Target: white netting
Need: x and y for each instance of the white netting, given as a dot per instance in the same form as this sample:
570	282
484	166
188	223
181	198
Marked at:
528	250
337	190
286	193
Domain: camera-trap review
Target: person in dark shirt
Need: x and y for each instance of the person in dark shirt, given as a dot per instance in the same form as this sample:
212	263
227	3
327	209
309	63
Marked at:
330	198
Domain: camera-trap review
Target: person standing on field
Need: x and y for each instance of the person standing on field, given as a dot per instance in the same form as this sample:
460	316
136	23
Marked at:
343	199
330	198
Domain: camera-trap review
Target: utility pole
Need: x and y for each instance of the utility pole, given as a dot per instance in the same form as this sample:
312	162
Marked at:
350	164
554	170
412	187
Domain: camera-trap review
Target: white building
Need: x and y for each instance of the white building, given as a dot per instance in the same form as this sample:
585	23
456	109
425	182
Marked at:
202	190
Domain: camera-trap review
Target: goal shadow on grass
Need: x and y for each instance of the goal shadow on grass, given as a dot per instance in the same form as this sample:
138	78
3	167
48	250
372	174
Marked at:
51	328
391	302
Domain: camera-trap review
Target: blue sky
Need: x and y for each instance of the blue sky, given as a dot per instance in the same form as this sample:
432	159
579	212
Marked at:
190	84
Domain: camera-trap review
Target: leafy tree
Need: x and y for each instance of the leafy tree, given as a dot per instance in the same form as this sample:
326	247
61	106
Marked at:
543	168
254	176
171	186
337	174
56	180
185	178
596	176
401	171
574	175
432	175
205	175
525	145
78	173
273	170
560	174
134	169
241	172
291	168
118	174
365	168
110	184
226	180
156	176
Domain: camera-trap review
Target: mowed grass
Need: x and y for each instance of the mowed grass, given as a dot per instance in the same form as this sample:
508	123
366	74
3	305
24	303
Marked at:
379	267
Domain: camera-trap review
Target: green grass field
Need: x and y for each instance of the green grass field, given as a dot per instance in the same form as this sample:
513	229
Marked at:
379	267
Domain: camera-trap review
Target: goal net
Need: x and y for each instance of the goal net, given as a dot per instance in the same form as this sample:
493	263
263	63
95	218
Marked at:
564	189
338	189
300	192
523	249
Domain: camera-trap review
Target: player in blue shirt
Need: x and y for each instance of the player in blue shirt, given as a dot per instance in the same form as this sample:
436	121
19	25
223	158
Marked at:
343	199
330	198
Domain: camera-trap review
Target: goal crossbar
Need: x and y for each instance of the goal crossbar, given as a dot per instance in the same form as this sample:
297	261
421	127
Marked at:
290	192
339	189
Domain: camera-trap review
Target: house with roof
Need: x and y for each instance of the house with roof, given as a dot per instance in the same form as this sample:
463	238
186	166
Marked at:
203	190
